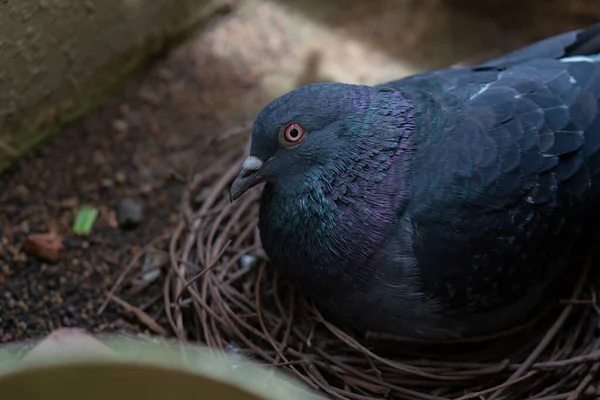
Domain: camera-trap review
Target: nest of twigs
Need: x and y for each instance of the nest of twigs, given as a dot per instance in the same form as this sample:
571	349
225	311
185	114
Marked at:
220	291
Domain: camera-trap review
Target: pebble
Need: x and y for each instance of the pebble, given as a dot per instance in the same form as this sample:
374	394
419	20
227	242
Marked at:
129	213
45	246
247	261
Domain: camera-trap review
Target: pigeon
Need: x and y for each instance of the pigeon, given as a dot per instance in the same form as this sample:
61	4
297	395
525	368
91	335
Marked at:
442	205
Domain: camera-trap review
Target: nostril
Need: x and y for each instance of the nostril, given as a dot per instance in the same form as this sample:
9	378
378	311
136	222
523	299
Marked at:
246	173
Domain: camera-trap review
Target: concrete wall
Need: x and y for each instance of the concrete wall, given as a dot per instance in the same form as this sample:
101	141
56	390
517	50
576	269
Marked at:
59	58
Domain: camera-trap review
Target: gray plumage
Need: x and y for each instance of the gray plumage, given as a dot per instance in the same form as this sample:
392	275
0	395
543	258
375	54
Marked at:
441	205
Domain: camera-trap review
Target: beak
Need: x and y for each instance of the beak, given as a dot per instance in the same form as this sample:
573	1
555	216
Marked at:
249	177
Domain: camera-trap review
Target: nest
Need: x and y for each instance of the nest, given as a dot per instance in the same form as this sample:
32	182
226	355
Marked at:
220	291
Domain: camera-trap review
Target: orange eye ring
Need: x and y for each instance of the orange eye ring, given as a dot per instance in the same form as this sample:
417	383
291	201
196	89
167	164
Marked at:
292	134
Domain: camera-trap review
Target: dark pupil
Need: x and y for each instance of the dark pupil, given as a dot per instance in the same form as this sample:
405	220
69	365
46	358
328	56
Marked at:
294	133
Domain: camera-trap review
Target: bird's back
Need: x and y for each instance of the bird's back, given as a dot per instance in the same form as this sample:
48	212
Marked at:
505	174
459	227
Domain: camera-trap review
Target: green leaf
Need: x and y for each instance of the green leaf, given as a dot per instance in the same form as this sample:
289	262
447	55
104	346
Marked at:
85	220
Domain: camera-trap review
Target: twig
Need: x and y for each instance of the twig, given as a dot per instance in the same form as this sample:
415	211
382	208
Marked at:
141	316
551	333
134	261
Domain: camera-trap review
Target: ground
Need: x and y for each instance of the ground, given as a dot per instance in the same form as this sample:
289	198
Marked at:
155	133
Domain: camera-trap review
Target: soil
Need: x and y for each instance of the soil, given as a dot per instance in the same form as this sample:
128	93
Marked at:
154	135
141	145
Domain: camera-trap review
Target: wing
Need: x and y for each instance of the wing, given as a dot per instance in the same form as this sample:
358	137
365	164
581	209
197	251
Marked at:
505	174
534	128
582	42
516	127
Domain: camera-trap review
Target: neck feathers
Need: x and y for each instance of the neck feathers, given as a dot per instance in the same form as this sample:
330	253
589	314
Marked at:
342	214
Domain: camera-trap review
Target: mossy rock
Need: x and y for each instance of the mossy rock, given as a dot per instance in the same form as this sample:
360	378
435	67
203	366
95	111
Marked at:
61	58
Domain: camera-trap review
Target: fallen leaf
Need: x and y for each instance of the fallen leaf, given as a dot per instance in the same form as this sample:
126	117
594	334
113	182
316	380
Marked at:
85	220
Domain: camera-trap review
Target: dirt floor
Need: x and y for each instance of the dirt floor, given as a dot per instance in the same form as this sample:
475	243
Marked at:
143	144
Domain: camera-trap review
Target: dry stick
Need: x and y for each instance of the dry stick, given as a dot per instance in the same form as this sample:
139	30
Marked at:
211	333
591	357
215	332
176	267
205	310
289	317
244	339
375	380
140	315
559	351
561	383
234	276
585	382
357	382
218	187
476	339
403	391
233	220
216	280
241	336
561	396
588	378
210	241
210	266
551	333
167	301
194	224
248	230
595	303
320	382
502	386
567	348
188	244
198	300
399	366
214	194
137	256
228	312
200	250
262	322
228	292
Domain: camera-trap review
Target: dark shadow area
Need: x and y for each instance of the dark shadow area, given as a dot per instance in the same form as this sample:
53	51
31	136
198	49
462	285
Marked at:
436	33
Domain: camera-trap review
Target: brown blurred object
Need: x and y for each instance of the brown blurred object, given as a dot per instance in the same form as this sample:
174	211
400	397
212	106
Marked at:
65	342
46	246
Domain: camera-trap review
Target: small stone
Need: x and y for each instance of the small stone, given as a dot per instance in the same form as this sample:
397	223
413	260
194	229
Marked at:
98	158
247	261
153	261
590	391
129	213
150	276
106	183
22	191
112	219
45	246
120	177
120	125
145	188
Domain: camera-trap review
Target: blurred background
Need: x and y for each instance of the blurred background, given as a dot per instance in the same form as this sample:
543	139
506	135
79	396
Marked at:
113	105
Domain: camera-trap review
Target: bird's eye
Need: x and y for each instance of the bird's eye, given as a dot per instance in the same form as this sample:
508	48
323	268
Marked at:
292	134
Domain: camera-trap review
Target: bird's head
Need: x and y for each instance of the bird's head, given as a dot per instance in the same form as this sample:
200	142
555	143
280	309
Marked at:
311	129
